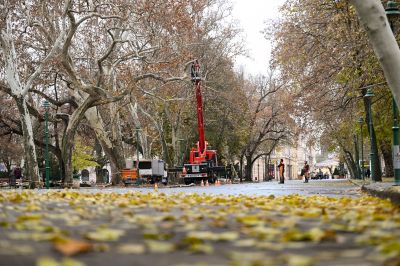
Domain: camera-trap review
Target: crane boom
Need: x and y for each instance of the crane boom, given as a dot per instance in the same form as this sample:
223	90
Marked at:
199	107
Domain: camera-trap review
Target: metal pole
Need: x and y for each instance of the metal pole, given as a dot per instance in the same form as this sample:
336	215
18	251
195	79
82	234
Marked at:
289	168
396	152
362	153
47	165
372	154
137	150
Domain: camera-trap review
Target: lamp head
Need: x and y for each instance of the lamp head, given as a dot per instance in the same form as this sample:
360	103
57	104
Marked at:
392	10
369	94
46	104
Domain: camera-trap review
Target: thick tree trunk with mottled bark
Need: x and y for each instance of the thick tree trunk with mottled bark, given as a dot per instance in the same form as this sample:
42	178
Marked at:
31	164
373	17
115	157
69	137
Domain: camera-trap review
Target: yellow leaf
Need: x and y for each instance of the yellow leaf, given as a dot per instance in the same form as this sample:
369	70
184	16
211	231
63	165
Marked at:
46	261
227	236
297	260
105	234
159	246
201	248
71	262
245	243
131	248
29	217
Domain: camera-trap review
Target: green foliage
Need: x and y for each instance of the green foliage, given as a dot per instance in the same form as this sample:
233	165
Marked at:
81	157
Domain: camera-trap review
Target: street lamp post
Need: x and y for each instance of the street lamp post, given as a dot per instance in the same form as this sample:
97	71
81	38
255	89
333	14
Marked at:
361	122
392	12
369	96
46	106
137	150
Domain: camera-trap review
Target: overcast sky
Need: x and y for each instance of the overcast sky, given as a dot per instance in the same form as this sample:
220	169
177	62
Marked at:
252	14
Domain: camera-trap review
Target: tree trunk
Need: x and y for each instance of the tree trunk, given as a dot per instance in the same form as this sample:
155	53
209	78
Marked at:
350	164
133	110
356	151
116	155
241	168
69	136
32	169
116	158
373	17
386	149
165	147
249	168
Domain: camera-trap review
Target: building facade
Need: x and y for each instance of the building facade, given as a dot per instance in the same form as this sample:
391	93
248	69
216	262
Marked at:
266	167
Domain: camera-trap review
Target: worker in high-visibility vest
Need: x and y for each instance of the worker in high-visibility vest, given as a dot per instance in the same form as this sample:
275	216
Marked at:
281	168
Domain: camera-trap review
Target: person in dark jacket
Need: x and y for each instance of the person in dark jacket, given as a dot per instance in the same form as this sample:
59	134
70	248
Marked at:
306	170
368	173
281	168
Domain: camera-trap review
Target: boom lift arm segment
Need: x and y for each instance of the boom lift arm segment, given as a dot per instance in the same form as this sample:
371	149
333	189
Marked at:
196	78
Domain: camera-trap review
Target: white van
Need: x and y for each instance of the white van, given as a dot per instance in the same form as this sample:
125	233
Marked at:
153	170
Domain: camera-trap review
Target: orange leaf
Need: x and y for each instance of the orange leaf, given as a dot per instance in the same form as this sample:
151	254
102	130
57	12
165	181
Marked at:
71	247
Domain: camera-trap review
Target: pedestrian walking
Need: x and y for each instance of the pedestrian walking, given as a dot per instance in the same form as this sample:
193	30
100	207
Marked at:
306	170
281	168
367	173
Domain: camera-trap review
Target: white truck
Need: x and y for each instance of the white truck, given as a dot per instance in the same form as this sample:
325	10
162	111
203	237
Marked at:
153	170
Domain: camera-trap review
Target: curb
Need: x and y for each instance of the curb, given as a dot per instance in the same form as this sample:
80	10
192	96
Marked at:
354	183
393	196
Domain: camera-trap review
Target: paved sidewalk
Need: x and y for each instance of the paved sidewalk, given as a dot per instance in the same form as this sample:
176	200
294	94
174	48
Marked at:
384	190
89	227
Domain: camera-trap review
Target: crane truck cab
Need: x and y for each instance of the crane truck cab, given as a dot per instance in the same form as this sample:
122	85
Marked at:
200	170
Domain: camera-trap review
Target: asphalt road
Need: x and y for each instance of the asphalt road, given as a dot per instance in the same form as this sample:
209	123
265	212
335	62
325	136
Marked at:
331	188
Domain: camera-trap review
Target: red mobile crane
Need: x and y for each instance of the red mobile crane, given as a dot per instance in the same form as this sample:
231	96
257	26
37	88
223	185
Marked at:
202	162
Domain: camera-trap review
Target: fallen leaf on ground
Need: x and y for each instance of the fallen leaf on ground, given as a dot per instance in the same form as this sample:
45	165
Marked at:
160	246
131	248
105	234
71	247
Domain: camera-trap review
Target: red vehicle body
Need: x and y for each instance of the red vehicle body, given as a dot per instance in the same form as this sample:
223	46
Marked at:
201	160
